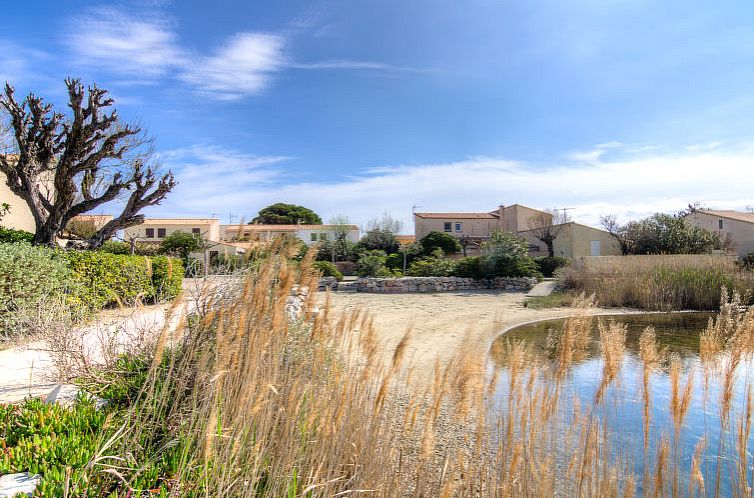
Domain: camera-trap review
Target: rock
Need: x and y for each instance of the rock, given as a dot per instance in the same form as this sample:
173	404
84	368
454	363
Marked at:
22	484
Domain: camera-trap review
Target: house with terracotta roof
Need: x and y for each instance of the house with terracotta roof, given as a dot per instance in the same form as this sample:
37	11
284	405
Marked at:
473	229
310	234
734	227
156	229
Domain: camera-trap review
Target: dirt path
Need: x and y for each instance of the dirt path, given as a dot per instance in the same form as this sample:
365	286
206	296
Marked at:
442	324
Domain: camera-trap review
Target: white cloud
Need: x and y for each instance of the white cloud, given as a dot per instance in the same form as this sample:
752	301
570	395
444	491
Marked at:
17	63
147	47
242	67
630	188
111	38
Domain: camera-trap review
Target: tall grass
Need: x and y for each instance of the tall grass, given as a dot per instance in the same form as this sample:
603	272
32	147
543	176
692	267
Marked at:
662	282
252	403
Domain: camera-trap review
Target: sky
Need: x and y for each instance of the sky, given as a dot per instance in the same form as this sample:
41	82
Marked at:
355	107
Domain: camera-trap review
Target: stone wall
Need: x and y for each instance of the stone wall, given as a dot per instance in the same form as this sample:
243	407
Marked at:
433	284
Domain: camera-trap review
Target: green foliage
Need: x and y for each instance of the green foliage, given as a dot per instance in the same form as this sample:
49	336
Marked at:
33	281
341	249
378	240
108	279
666	234
328	269
371	264
748	261
115	247
10	236
470	267
167	277
181	244
4	209
432	266
46	439
286	214
441	240
507	256
394	261
547	265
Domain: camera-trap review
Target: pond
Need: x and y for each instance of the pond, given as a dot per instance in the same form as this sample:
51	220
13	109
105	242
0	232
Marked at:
626	412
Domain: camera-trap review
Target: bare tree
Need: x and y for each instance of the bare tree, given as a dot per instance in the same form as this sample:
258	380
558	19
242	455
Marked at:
546	226
385	223
341	226
620	232
65	167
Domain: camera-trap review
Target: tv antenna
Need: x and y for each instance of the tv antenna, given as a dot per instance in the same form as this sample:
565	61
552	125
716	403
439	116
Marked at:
413	208
565	212
231	217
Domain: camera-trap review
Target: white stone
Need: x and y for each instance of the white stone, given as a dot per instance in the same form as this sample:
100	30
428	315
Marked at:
22	484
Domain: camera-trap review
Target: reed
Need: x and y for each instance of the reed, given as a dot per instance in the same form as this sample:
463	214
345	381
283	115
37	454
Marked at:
250	402
661	282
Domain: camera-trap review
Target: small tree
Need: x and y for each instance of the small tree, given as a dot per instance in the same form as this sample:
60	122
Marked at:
621	233
546	226
66	167
286	214
340	246
507	255
380	240
385	223
181	244
440	240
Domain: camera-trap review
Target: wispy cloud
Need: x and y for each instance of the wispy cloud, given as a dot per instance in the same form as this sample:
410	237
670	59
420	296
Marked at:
110	38
17	63
628	187
148	46
242	67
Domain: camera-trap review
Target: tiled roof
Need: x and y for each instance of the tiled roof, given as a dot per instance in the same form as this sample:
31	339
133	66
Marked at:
457	216
178	221
292	228
733	215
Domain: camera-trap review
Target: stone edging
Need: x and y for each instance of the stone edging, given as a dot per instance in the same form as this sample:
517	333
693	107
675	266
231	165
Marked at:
427	284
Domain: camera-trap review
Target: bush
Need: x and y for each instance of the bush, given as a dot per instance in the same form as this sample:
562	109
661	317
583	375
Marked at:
181	244
394	261
167	277
470	267
748	261
377	240
108	279
33	281
371	264
547	265
432	267
115	247
11	236
440	240
346	267
328	269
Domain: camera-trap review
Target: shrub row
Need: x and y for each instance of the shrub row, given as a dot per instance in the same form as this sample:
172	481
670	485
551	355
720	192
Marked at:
39	282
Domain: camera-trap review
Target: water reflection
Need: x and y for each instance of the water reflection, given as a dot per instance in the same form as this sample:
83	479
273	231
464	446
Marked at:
621	407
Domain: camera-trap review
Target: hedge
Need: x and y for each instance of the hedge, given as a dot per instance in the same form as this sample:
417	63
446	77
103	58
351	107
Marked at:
10	236
33	282
39	282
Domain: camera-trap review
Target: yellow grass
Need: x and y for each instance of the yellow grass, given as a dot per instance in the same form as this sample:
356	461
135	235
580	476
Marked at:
266	406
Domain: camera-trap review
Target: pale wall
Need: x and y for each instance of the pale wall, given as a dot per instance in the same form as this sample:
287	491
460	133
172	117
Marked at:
209	231
20	216
469	226
741	232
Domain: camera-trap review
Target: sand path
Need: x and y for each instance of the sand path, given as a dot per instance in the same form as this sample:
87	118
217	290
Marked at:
442	324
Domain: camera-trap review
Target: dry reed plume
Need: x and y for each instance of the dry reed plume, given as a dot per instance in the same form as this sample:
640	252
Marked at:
264	405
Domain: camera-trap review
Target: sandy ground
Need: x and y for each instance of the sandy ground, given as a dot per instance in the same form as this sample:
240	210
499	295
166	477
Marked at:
442	324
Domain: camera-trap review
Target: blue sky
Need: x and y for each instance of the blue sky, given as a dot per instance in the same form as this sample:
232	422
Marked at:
356	107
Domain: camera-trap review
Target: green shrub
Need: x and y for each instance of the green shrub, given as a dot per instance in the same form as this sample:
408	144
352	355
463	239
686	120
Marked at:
440	240
33	281
167	277
394	261
470	267
328	269
115	247
371	264
432	267
11	236
548	264
106	279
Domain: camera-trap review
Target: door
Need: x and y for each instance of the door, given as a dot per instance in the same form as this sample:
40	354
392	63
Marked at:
596	249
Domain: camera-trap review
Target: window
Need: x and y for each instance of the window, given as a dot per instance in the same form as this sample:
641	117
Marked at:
534	248
448	226
195	231
150	233
313	237
720	224
323	236
458	227
161	233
